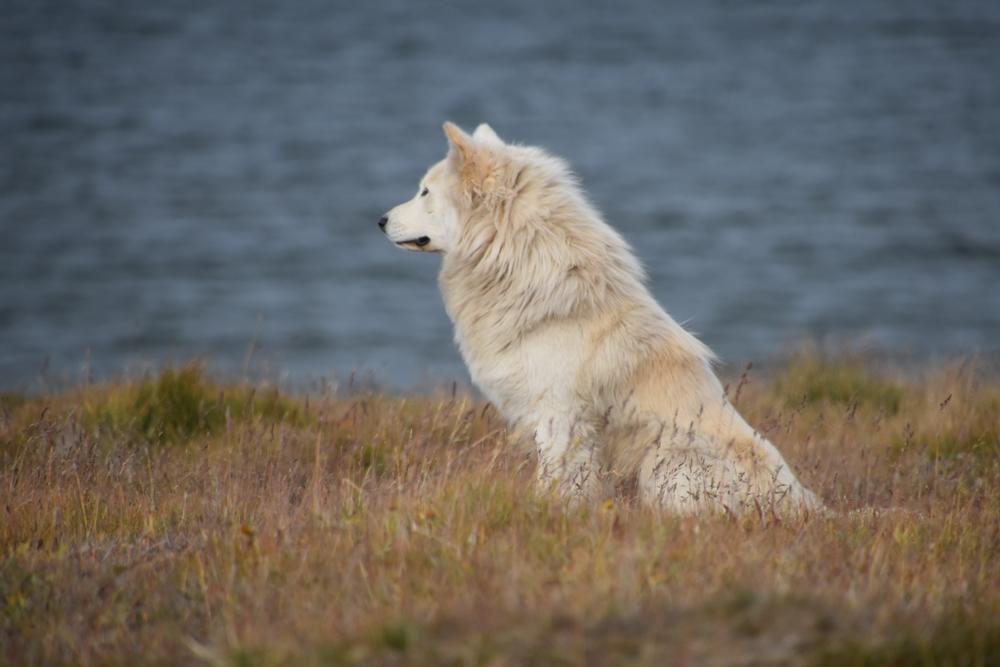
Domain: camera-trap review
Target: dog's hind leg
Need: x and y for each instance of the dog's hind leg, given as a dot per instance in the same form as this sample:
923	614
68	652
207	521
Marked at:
690	478
687	480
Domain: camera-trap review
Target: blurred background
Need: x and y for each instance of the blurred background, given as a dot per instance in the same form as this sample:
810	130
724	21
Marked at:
196	178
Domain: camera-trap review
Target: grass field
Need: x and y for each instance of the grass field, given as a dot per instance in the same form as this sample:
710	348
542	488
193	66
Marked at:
176	520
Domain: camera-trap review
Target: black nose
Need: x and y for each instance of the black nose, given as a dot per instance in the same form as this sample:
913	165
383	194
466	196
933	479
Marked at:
381	222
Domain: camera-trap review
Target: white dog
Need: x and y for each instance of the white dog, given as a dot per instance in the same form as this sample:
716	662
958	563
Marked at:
558	330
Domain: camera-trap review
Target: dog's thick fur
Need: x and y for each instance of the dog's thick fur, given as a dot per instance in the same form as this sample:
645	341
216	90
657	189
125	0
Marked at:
559	331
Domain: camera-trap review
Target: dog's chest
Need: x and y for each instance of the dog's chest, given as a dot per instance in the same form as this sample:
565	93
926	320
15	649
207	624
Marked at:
521	360
532	374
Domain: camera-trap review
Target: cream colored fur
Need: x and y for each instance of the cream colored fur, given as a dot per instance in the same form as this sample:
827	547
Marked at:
558	330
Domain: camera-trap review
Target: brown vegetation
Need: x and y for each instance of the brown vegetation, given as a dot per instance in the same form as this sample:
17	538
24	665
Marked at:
174	520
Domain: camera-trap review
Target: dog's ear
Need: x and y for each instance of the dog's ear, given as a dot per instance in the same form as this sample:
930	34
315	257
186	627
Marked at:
474	161
461	147
485	134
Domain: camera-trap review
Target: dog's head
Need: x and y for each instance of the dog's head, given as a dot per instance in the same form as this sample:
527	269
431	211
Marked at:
432	221
513	217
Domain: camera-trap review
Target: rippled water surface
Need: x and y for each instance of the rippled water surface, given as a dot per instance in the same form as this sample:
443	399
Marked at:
181	179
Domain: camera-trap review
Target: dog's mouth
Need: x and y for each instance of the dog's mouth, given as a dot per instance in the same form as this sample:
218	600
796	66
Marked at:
416	243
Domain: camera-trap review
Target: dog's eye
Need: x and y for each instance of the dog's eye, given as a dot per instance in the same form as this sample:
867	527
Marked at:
425	192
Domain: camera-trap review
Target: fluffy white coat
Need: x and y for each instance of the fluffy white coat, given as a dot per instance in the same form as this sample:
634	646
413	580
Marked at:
558	330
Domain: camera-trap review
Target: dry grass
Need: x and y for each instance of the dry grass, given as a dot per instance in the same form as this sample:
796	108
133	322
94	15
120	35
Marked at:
177	521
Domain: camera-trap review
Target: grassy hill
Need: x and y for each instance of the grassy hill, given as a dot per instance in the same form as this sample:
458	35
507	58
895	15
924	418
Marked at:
177	520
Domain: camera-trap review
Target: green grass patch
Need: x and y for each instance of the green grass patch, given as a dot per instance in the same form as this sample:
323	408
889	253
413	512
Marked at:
975	431
371	457
985	444
12	401
811	380
183	404
958	640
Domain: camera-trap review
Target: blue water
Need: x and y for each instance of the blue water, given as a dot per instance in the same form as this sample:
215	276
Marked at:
203	178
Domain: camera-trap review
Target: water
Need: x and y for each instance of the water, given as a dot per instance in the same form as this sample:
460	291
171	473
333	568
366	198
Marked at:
190	178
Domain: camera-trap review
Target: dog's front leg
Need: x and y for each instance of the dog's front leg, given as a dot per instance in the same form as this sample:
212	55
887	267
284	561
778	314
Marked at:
568	460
